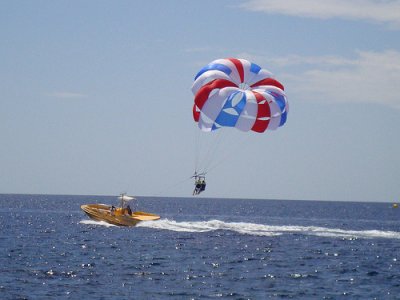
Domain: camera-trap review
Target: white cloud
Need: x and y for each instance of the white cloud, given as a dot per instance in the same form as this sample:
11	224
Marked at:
371	77
384	11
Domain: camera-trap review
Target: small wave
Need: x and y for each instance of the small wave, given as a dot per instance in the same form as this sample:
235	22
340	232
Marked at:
266	230
99	223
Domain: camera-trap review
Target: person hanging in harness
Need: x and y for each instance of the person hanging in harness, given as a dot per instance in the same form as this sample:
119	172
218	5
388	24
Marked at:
199	184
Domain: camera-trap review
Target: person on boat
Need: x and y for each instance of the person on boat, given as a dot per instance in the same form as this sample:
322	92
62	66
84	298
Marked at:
112	210
129	210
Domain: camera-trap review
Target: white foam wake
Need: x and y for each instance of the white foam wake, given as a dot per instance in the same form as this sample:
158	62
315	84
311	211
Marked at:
266	230
99	223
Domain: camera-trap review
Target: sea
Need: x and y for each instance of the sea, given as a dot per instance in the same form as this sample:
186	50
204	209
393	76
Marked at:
201	248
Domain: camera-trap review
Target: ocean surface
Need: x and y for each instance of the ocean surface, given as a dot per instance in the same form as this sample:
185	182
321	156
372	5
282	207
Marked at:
201	248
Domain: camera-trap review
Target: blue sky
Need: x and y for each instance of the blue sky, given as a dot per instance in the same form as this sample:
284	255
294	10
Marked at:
95	97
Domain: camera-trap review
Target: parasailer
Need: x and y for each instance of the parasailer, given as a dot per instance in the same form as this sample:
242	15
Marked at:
239	94
199	183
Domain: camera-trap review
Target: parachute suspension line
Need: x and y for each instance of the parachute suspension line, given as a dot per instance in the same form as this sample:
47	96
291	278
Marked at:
223	152
212	149
197	151
201	147
200	144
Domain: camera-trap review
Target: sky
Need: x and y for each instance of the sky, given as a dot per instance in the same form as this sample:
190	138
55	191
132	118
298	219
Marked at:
96	98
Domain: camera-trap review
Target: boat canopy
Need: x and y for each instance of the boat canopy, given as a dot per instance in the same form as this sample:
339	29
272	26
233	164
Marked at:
124	197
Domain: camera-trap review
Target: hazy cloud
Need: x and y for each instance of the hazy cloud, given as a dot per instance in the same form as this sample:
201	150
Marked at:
385	11
371	77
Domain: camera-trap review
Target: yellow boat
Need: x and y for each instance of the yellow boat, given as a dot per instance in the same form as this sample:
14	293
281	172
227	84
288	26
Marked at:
121	216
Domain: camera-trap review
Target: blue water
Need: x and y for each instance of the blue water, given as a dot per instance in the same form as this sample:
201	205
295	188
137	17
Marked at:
199	249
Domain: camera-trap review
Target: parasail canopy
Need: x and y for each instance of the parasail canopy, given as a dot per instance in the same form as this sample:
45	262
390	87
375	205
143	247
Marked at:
236	93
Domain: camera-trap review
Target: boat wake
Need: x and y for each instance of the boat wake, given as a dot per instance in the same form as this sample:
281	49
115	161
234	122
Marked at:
99	223
266	230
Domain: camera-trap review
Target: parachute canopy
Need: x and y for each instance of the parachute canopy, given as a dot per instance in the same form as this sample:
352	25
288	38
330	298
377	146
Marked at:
236	93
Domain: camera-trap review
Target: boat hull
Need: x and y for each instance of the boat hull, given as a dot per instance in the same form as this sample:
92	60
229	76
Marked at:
119	217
